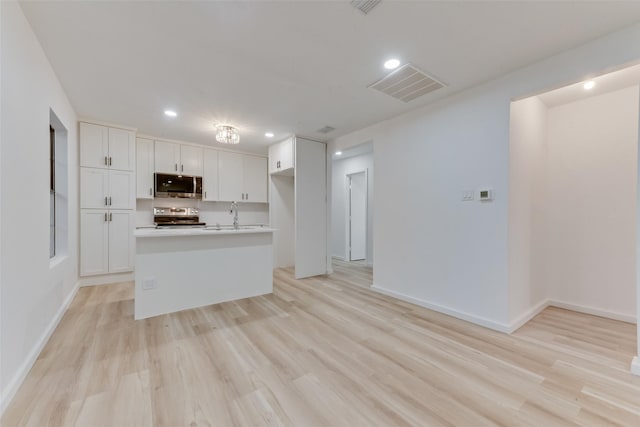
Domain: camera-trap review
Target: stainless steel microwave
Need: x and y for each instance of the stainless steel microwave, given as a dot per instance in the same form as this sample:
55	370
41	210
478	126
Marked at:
188	187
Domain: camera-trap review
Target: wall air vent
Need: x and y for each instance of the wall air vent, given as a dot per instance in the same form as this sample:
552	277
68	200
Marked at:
326	129
406	83
364	6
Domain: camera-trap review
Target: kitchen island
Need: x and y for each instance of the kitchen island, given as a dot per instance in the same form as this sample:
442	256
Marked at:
178	269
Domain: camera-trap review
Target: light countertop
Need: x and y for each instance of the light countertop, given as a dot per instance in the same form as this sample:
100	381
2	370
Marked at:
207	231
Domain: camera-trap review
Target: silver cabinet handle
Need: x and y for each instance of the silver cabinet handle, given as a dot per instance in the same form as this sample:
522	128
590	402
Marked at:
247	196
205	194
181	168
150	191
109	160
106	161
105	217
106	201
110	216
176	166
109	200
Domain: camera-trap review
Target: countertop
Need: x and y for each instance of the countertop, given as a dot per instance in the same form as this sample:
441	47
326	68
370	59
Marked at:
212	231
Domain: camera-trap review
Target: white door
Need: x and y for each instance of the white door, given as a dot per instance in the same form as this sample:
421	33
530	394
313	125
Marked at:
144	169
94	242
94	188
121	241
122	150
357	216
166	157
94	146
310	209
255	179
191	160
122	190
210	175
230	176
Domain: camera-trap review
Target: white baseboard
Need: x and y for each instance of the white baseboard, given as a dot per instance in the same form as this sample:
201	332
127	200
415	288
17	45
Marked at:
481	321
528	315
635	366
107	279
14	384
341	258
594	311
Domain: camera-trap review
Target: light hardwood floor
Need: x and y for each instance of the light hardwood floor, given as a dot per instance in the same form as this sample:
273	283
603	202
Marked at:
324	351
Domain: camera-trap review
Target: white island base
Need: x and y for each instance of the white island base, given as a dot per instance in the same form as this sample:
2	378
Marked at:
181	269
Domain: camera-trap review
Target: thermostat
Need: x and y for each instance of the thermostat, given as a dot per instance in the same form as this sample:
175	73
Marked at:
485	194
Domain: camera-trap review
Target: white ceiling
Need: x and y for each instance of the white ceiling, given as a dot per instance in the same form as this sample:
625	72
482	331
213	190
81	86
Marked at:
605	83
291	67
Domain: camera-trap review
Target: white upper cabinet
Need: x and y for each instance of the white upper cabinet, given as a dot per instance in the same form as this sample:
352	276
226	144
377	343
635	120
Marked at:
242	178
230	176
175	158
255	179
144	168
106	148
167	157
281	158
210	175
191	160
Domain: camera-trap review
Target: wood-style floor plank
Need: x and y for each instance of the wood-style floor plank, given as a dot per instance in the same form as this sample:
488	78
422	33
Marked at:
324	351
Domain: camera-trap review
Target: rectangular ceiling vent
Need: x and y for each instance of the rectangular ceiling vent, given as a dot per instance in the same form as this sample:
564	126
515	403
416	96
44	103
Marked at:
364	6
326	129
406	83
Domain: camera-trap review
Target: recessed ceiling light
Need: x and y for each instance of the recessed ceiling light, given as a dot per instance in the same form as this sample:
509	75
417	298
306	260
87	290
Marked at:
338	153
170	113
589	85
269	134
391	64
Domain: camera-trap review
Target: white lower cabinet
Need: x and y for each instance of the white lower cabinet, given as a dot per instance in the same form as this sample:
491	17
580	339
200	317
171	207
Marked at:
106	243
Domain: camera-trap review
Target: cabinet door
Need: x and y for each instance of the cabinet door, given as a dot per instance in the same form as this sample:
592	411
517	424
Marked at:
167	157
273	158
122	154
94	188
310	209
210	175
230	176
144	168
121	241
94	146
255	179
94	242
190	160
286	155
122	190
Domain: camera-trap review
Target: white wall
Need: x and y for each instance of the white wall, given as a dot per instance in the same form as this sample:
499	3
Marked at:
339	205
33	291
590	205
432	248
527	155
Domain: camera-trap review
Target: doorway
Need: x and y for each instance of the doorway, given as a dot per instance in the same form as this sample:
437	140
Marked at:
357	216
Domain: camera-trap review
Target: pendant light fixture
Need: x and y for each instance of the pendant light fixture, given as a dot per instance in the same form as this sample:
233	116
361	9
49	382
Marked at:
227	134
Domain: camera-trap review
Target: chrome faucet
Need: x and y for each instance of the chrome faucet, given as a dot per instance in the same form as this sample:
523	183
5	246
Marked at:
234	212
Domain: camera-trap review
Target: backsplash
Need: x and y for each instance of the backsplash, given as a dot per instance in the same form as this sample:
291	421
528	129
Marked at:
210	212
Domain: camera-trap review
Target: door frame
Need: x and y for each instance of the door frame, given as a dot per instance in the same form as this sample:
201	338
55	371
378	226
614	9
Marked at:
347	237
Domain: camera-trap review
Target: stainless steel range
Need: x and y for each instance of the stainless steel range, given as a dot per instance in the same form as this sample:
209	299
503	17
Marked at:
177	218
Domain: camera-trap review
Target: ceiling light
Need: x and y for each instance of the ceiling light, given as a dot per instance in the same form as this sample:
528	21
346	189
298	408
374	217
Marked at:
391	64
589	85
227	134
338	153
269	134
170	113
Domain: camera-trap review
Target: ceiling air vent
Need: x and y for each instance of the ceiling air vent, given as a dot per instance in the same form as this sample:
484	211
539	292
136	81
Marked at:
406	83
326	129
364	6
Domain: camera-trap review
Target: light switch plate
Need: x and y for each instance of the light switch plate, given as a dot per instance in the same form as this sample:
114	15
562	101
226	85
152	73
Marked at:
149	283
467	195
